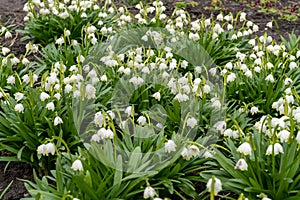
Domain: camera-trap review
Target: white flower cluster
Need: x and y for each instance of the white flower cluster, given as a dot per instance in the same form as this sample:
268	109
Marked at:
46	149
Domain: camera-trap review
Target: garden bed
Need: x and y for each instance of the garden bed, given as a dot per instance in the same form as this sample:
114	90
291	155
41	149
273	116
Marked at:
11	11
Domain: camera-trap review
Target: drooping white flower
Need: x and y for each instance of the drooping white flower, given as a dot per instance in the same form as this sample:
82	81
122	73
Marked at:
11	80
57	121
98	119
270	78
284	135
49	149
191	122
19	108
170	146
136	81
60	41
181	97
77	165
109	134
186	154
217	185
245	149
50	106
220	126
231	77
18	96
57	96
90	91
5	51
241	165
298	137
7	35
44	96
208	154
157	96
68	88
293	65
277	149
96	138
41	149
231	133
194	150
142	120
149	192
254	110
269	24
242	16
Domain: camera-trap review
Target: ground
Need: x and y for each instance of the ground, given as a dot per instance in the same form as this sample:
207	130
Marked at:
11	12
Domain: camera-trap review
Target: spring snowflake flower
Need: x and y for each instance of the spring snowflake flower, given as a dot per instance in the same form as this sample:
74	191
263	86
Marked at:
44	96
149	192
255	28
77	165
142	120
90	91
57	96
157	96
60	41
128	110
220	126
270	78
266	198
103	78
186	154
189	152
25	61
207	22
41	149
298	137
49	149
136	81
231	77
68	88
269	25
277	149
191	122
11	80
245	149
19	108
242	17
220	17
96	138
5	51
252	42
18	96
293	65
241	165
231	133
50	106
284	135
208	154
46	149
170	146
109	134
98	119
57	121
254	110
217	185
181	97
7	35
